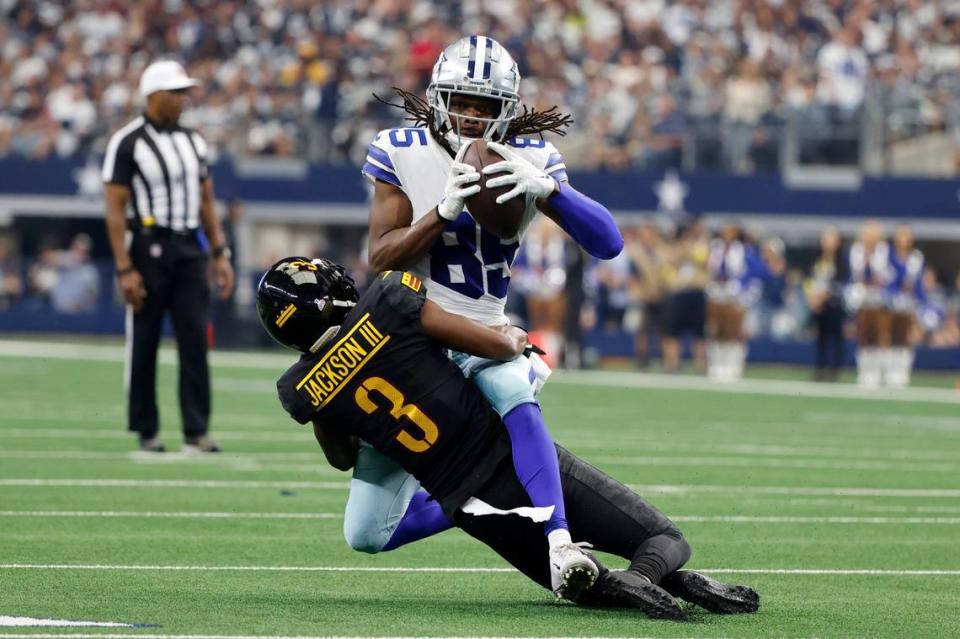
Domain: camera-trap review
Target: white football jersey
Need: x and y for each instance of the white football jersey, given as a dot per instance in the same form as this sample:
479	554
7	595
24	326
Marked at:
468	269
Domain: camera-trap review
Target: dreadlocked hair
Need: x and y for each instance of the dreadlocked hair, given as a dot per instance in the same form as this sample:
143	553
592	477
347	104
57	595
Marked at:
418	111
533	122
530	122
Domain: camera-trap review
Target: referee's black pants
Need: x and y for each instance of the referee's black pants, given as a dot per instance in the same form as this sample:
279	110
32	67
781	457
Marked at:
174	271
600	510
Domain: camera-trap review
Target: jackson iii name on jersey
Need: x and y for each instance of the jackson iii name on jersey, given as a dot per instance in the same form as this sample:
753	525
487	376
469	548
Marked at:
384	380
468	268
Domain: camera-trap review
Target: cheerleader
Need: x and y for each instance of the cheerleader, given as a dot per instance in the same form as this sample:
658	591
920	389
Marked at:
866	294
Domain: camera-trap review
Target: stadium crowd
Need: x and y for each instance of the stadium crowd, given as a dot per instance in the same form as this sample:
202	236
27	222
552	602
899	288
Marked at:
641	77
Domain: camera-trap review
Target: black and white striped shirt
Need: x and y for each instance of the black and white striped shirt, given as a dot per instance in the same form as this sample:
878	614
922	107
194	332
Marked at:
164	169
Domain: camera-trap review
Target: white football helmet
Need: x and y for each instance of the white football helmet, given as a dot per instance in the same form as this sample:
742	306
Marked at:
479	66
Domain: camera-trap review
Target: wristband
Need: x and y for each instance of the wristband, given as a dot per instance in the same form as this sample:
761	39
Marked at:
222	251
124	271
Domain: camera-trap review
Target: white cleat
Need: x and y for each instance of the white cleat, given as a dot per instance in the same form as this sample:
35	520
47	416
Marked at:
572	571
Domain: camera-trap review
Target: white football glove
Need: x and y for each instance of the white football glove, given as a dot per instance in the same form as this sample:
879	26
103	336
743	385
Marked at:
461	184
519	171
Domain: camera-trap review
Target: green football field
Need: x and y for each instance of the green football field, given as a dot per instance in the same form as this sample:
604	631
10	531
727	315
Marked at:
842	509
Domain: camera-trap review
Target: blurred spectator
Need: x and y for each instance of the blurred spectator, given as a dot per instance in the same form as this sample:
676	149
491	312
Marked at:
747	101
11	286
773	320
685	306
824	293
937	316
665	144
612	280
843	68
43	274
78	283
641	76
648	255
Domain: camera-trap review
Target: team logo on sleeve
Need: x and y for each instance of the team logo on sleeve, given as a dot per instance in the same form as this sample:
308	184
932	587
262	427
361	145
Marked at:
411	281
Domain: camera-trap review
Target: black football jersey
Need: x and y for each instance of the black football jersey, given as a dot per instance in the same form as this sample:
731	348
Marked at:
382	378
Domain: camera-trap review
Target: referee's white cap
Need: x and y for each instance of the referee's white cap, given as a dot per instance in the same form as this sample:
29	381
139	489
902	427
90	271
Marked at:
165	75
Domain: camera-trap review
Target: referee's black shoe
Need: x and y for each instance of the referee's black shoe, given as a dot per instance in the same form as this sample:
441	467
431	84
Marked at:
629	589
697	588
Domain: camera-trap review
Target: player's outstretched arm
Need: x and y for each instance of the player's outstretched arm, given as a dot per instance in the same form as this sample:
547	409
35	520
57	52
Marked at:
339	447
584	219
465	335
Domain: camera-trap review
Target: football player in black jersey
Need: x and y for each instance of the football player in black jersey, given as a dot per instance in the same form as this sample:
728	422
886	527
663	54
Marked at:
375	368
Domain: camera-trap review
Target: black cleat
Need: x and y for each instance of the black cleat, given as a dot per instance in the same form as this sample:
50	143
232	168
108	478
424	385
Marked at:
628	589
697	588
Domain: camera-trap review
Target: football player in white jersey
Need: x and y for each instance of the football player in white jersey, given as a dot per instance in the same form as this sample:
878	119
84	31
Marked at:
418	222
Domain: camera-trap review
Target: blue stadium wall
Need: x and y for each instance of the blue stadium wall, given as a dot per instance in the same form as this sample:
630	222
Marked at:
769	194
932	202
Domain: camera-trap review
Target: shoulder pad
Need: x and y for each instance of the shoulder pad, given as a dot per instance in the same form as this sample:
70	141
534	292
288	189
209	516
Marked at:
378	164
404	291
543	154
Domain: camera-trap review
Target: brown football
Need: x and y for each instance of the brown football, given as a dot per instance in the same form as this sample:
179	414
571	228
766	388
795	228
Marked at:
503	220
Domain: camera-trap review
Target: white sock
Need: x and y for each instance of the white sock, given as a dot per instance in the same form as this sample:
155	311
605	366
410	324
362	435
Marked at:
714	360
899	361
558	537
869	367
729	361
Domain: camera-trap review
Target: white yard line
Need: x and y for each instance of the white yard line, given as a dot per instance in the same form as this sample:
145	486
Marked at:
750	519
166	515
106	353
8	621
754	462
854	452
279	362
175	483
886	419
140	635
791	388
724	519
234	459
663	489
461	570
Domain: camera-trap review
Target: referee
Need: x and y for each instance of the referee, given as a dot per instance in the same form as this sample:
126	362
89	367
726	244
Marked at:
158	194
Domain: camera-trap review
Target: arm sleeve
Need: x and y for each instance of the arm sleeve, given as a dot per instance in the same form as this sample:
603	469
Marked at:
378	164
588	222
118	162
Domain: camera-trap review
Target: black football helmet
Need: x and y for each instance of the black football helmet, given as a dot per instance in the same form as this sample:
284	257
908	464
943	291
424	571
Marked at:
299	300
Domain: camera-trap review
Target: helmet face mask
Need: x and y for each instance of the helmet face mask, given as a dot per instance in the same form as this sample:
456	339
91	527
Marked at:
302	302
474	66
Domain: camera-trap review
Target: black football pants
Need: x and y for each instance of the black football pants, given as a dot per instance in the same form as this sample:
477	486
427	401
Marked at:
174	271
600	510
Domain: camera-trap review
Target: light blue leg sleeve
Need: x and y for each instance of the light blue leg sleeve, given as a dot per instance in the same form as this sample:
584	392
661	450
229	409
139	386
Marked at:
380	492
506	385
